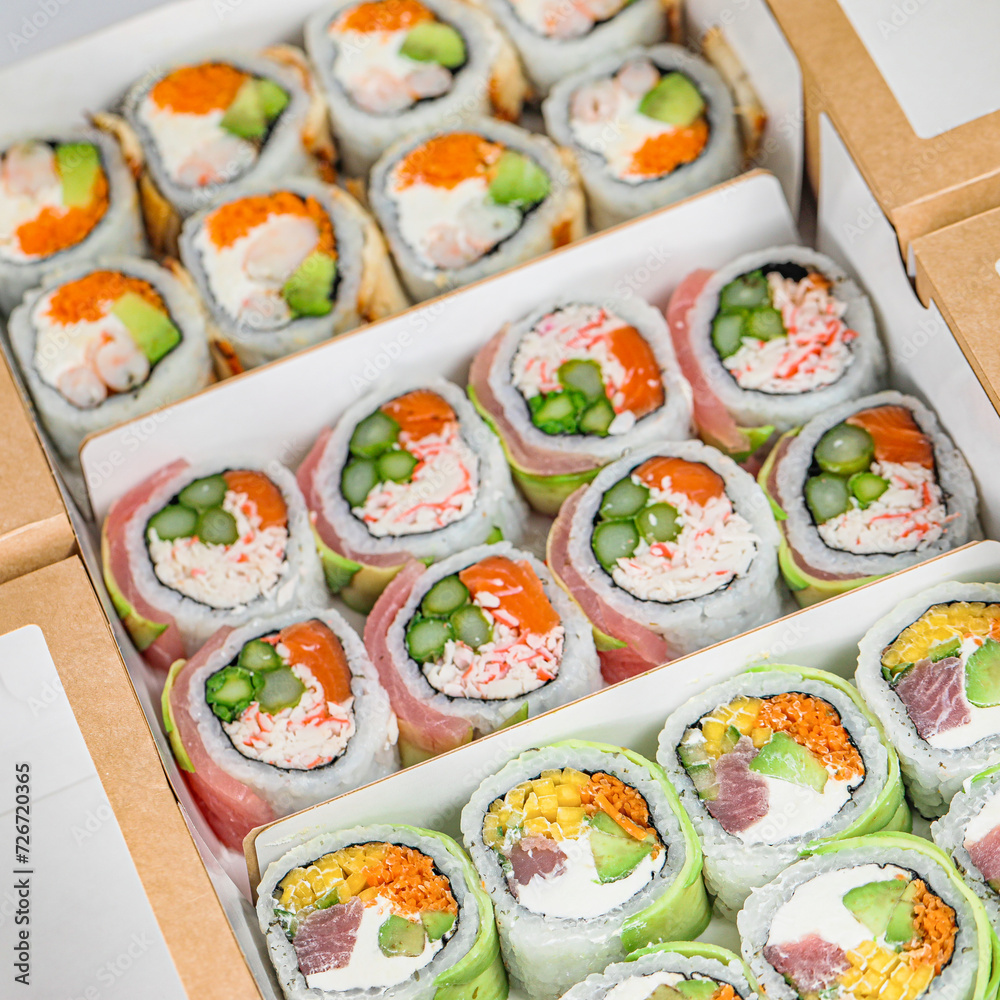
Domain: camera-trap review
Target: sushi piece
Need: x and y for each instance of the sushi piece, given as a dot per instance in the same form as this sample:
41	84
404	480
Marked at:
867	488
647	127
193	131
275	716
407	473
461	203
577	384
588	856
477	642
773	760
668	550
883	916
392	911
192	549
393	66
555	39
64	200
928	671
675	970
282	268
102	343
770	341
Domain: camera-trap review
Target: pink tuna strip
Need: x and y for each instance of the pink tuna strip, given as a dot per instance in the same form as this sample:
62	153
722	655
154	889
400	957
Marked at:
933	695
811	964
326	938
536	856
742	799
985	854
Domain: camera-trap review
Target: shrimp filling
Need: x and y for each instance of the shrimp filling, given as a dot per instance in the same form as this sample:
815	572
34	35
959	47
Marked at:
559	19
100	335
52	195
640	135
390	54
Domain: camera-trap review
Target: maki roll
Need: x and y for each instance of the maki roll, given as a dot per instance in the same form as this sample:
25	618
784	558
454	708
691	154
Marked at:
102	343
867	488
190	550
772	760
405	475
391	66
588	856
282	268
883	916
64	201
667	551
929	671
462	203
477	642
575	385
771	340
392	911
275	716
647	127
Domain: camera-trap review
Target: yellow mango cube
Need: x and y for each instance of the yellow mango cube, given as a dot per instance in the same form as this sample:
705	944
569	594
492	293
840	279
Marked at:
760	735
515	797
356	882
537	826
543	787
575	777
548	805
531	807
552	773
568	794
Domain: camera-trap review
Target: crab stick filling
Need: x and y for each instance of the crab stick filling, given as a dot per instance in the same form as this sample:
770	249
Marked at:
488	632
872	931
874	487
668	532
209	122
367	916
771	769
695	987
222	540
270	258
574	844
393	53
582	369
563	19
458	196
100	335
52	195
945	669
286	699
410	470
622	118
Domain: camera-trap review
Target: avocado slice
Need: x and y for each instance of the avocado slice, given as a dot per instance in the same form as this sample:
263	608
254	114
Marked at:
245	116
900	929
875	904
437	923
781	757
143	631
518	181
309	290
398	936
945	649
169	726
982	675
434	41
666	992
616	857
603	822
697	989
151	328
273	98
674	100
78	165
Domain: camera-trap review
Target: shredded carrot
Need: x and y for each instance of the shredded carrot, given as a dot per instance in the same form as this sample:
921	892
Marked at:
724	992
622	803
447	160
233	220
934	922
816	725
89	298
660	154
406	878
197	90
55	229
419	413
382	15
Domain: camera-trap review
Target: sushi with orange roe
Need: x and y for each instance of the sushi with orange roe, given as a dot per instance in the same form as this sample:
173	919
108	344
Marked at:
65	200
461	202
102	343
284	267
389	67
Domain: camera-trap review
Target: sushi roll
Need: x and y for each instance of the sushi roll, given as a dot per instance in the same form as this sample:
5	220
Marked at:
64	200
389	911
575	385
772	760
409	472
881	916
667	551
101	343
555	38
392	66
275	716
928	671
282	268
477	642
462	203
588	856
191	549
770	341
647	127
867	488
193	131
